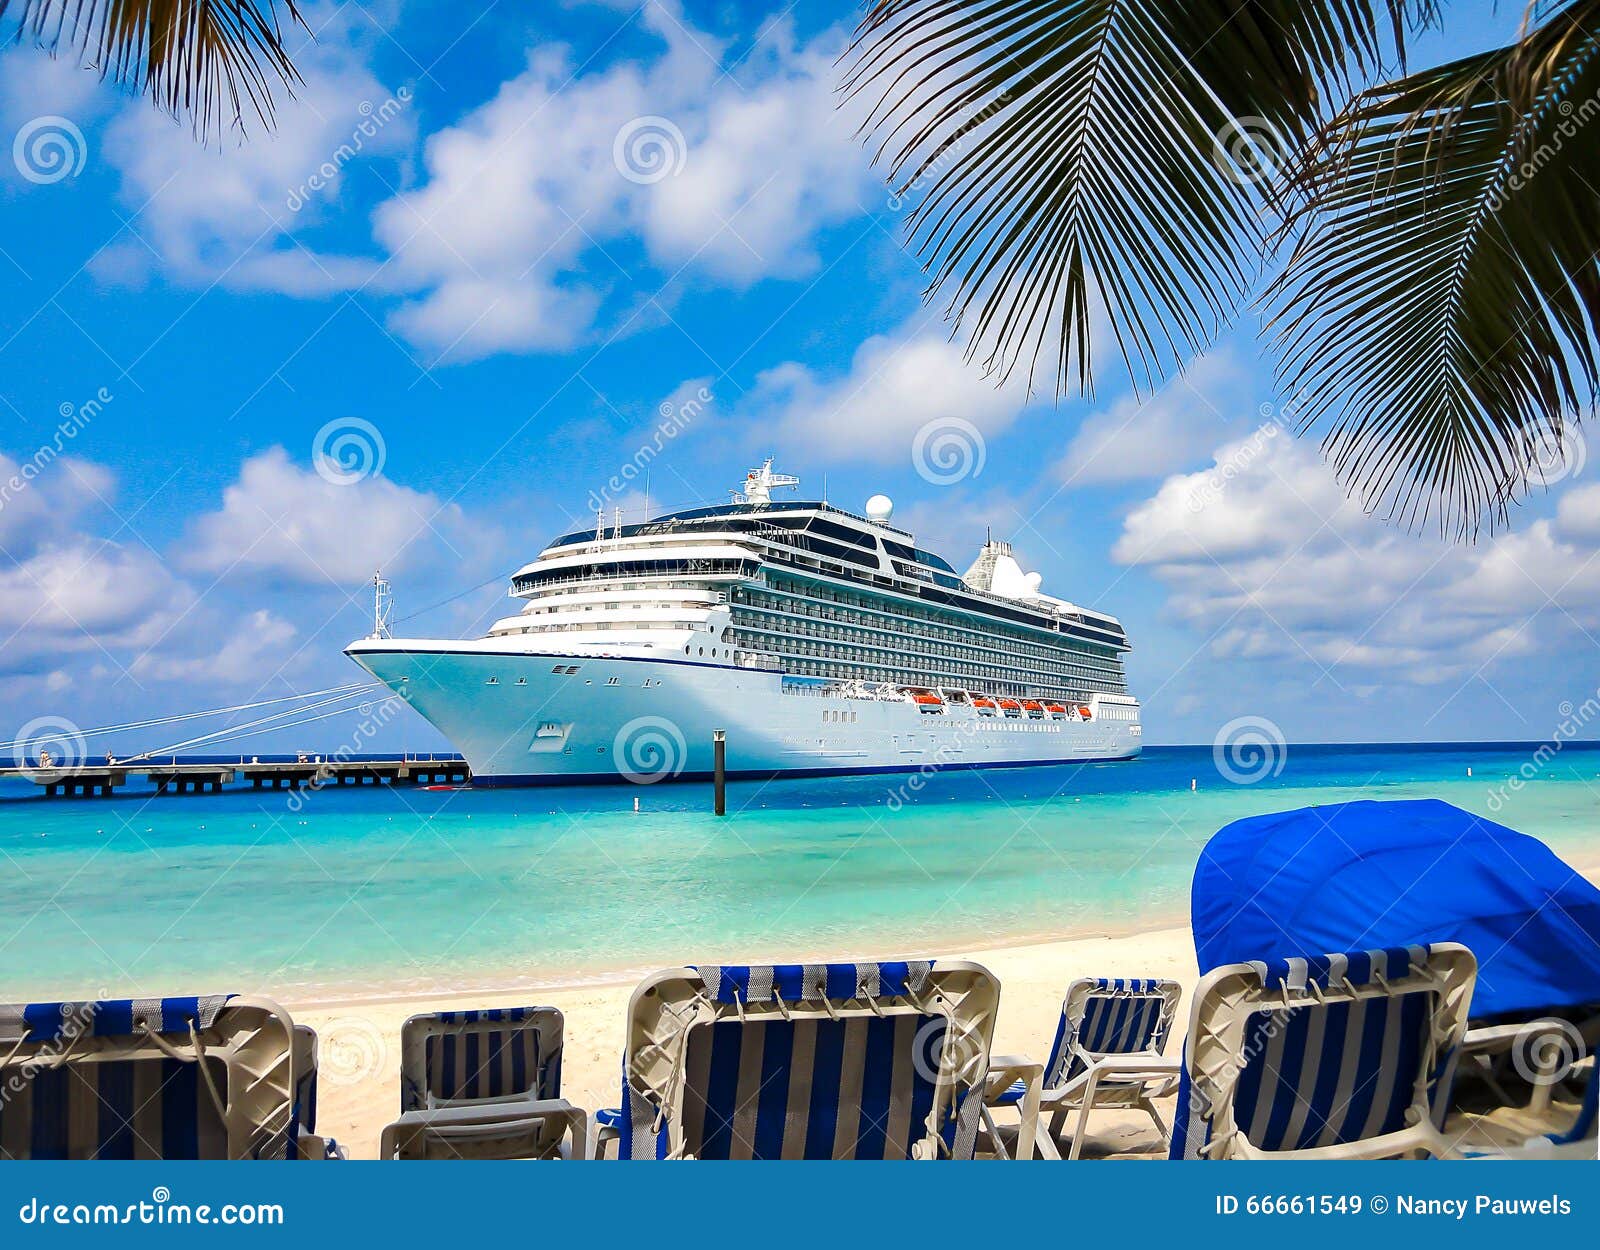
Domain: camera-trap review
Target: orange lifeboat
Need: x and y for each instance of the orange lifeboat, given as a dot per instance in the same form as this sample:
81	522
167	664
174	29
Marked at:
927	701
1083	711
1033	708
984	704
1056	710
1011	707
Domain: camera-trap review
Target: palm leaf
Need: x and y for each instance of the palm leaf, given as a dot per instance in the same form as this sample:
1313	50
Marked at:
1067	159
208	59
1437	317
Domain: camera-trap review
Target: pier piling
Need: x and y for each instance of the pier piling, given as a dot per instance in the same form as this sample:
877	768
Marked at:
719	771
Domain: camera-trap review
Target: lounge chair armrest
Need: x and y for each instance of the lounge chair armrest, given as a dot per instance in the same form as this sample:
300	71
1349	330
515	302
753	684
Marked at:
1490	1038
466	1124
1004	1072
1140	1063
1146	1067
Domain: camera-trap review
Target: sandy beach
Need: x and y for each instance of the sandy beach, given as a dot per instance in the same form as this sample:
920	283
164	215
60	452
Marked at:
360	1041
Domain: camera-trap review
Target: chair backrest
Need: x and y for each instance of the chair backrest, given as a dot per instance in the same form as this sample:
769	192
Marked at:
466	1056
155	1078
1110	1016
808	1061
1309	1053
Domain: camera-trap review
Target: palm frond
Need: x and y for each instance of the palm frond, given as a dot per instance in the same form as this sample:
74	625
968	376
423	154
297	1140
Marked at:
210	60
1070	159
1437	318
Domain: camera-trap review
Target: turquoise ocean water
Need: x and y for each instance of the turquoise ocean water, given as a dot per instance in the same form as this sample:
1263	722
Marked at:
376	891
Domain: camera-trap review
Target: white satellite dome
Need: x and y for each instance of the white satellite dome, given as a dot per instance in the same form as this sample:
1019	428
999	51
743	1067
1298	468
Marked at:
880	508
1034	580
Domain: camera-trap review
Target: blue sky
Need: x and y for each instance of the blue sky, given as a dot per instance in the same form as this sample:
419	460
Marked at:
457	236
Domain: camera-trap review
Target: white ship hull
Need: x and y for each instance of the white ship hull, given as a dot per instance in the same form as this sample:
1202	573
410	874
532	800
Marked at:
626	714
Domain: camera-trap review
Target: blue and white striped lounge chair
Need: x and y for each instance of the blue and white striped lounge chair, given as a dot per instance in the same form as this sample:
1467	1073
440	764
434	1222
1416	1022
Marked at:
1331	1056
1107	1054
216	1077
483	1085
808	1061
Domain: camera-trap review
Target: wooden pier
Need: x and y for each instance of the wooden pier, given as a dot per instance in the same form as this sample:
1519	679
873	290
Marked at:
177	776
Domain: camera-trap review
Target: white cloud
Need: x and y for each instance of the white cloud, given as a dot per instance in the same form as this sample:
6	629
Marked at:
292	523
767	165
1267	559
249	651
63	591
42	494
897	383
84	595
1135	440
522	226
70	598
513	237
229	209
1578	513
36	84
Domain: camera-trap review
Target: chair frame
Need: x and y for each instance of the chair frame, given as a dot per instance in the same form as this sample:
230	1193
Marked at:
254	1038
1216	1050
524	1125
521	1129
1109	1080
416	1032
668	1006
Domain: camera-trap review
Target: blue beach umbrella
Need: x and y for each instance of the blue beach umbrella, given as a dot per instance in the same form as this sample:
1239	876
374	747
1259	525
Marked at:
1358	876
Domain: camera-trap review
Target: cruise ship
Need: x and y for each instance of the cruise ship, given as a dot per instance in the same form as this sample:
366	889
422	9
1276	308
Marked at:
815	640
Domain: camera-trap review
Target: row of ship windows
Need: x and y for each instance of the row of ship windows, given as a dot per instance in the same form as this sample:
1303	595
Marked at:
955	659
910	677
1085	662
988	626
1110	680
854	610
589	627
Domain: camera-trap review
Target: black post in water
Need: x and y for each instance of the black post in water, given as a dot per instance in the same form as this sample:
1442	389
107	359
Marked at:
719	770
